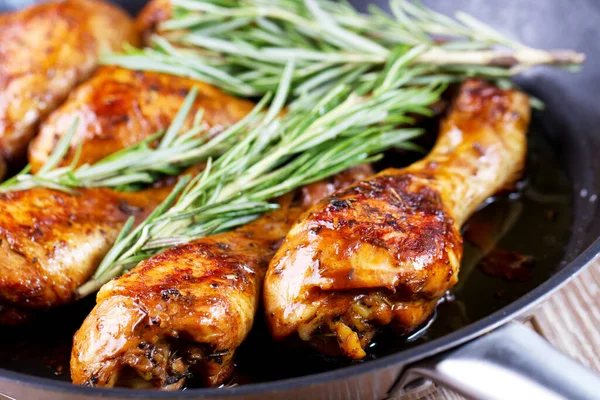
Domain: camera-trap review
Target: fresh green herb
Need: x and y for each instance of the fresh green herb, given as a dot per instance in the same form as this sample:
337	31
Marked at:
275	156
243	46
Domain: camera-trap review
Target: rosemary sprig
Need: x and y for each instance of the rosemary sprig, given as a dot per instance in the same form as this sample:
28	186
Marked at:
275	156
141	164
242	46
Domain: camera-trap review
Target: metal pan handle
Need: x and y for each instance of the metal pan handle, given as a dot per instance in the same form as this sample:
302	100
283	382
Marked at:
511	362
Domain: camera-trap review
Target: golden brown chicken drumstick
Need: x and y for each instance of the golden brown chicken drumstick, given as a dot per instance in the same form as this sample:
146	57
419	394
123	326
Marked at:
51	242
185	311
45	51
383	251
118	107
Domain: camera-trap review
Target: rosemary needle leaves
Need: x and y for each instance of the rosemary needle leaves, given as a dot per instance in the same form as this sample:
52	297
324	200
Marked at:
275	156
242	46
139	165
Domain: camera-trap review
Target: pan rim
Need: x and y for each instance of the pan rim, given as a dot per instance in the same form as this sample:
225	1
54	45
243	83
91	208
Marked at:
467	333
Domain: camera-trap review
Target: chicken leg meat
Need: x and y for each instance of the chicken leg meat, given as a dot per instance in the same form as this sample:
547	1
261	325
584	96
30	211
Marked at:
383	251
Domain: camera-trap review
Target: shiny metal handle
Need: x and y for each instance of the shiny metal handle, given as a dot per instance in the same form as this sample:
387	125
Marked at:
512	362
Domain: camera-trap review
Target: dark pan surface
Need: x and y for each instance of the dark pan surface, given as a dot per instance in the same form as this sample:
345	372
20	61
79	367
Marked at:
554	218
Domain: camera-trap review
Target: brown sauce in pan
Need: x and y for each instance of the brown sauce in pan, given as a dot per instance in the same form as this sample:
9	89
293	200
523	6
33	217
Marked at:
532	223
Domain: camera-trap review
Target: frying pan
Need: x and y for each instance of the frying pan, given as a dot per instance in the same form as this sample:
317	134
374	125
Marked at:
472	346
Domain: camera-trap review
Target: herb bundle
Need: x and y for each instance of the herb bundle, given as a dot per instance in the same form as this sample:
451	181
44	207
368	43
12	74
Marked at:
242	46
274	156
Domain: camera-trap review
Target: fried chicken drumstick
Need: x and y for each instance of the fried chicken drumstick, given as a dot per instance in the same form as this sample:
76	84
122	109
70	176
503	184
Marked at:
185	311
383	251
46	50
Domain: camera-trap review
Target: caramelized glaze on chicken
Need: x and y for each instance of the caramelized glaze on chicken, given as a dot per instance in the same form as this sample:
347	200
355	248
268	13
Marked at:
51	242
184	312
45	51
118	107
383	251
63	238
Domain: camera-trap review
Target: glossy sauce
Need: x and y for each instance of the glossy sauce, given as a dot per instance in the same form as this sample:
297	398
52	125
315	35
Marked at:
533	222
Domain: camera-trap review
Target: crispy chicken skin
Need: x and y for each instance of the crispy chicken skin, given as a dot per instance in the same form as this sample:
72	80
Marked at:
118	107
51	242
45	51
383	251
185	311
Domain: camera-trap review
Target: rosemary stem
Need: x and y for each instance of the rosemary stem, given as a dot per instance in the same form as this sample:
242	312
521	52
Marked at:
502	58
